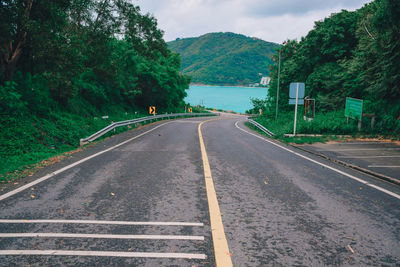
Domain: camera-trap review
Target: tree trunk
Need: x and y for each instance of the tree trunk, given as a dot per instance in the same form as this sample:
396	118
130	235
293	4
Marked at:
14	49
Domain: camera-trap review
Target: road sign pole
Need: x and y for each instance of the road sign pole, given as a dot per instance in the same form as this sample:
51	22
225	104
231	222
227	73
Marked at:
277	89
295	109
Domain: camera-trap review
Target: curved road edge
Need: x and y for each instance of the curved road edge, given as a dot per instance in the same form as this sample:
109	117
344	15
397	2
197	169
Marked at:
321	164
54	173
349	165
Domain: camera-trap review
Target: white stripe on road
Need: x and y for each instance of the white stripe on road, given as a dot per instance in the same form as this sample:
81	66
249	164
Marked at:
44	178
104	222
358	149
366	157
188	121
321	164
103	236
104	254
382	166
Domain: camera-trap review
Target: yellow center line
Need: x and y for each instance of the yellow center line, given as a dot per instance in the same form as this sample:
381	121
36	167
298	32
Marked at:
221	249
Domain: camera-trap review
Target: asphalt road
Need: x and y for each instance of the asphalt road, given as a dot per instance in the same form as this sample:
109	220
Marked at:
146	203
376	156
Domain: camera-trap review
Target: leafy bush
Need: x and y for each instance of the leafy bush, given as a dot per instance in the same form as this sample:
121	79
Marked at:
10	99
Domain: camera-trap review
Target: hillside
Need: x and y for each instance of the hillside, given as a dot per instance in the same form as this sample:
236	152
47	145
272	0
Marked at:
224	58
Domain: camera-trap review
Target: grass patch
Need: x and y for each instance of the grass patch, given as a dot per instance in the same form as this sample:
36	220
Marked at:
30	142
309	139
331	125
296	139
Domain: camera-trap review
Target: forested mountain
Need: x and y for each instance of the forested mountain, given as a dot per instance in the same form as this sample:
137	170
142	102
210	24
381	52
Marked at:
349	54
224	58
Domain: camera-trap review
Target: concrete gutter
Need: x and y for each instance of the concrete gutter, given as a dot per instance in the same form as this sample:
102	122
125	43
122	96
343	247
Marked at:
352	166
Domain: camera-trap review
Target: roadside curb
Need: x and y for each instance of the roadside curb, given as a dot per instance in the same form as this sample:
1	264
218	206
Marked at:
352	166
345	164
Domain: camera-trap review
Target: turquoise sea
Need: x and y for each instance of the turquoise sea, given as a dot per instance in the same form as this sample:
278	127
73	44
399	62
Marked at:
224	97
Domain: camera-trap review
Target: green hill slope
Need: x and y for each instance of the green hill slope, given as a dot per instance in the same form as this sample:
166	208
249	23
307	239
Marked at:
224	58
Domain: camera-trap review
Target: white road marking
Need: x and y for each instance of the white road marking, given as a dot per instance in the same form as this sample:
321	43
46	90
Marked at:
103	222
44	178
359	149
321	164
189	121
366	157
103	236
382	166
104	254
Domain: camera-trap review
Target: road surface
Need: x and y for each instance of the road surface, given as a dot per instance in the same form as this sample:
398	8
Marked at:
380	157
195	192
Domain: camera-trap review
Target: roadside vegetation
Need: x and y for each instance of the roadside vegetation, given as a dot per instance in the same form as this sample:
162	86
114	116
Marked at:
349	54
65	64
32	139
324	127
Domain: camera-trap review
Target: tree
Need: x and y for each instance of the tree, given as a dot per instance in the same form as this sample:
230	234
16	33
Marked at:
349	54
13	31
96	51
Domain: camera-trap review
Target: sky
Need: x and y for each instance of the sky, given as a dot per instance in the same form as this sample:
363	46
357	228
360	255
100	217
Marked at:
269	20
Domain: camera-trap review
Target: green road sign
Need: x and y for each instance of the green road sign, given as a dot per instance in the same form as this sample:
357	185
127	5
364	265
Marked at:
353	108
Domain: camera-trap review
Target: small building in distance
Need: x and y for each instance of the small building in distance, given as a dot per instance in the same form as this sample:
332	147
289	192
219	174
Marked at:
265	80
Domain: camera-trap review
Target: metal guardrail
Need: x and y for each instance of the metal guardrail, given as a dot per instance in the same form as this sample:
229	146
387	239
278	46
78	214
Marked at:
114	125
259	126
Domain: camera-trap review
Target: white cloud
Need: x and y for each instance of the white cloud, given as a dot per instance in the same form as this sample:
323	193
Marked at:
297	7
270	20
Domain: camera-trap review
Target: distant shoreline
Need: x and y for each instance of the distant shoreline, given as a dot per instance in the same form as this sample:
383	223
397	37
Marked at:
241	86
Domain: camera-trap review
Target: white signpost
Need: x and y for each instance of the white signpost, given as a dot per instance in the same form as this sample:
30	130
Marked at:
296	96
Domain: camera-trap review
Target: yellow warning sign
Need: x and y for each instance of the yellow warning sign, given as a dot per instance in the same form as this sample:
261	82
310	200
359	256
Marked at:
152	110
190	110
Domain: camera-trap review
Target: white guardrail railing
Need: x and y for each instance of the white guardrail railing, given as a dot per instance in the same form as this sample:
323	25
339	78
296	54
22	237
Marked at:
259	126
114	125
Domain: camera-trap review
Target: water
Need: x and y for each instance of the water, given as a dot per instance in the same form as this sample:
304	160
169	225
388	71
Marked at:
224	97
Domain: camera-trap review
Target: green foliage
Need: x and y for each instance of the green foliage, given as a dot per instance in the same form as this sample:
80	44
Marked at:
224	58
257	105
30	139
64	62
329	123
105	52
10	99
349	54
